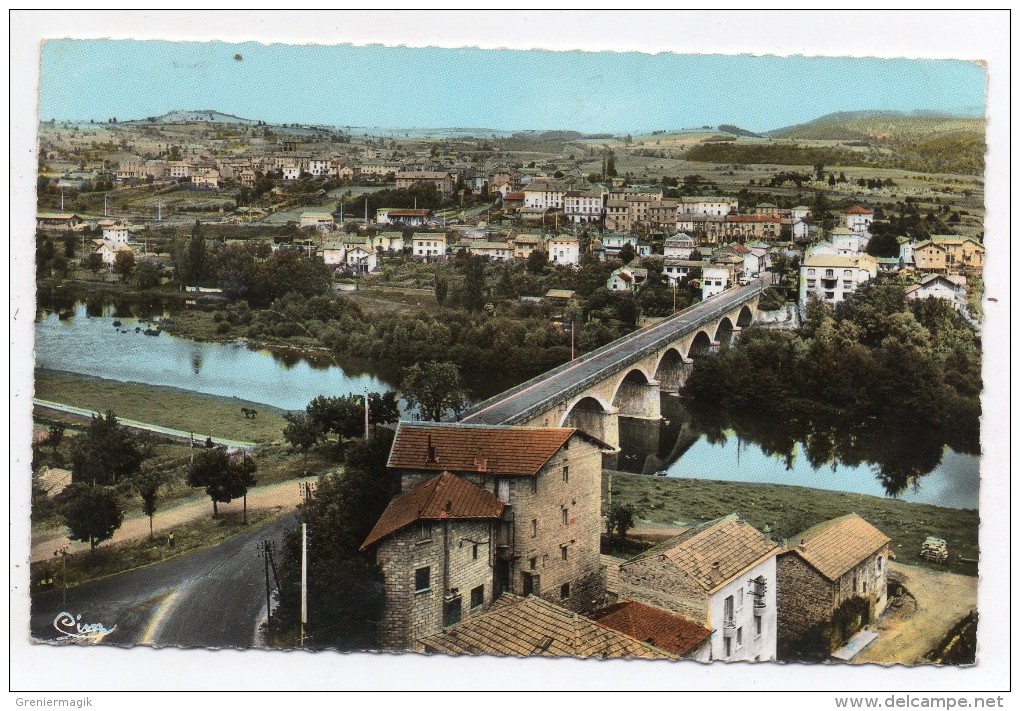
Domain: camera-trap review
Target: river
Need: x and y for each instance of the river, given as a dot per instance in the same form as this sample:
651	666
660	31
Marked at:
81	338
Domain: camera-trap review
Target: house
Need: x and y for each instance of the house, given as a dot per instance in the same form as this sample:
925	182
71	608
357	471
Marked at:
561	297
408	217
906	251
613	243
321	220
178	169
847	242
800	212
443	182
707	205
675	270
720	574
930	256
715	279
513	202
388	241
116	233
320	166
333	253
530	626
361	259
547	543
666	630
544	194
626	278
679	246
291	171
937	286
833	277
564	250
206	178
858	219
378	169
753	227
58	221
770	210
495	251
108	250
247	177
823	567
964	253
525	244
583	206
429	245
433	544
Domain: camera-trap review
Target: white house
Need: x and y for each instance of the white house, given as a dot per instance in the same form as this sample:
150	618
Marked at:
361	260
320	167
333	253
715	280
677	269
580	206
430	245
626	278
680	246
115	234
859	218
721	574
543	194
317	219
937	286
848	242
109	250
564	249
707	205
291	172
832	277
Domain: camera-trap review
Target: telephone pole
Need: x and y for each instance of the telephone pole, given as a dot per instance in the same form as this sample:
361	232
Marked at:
304	580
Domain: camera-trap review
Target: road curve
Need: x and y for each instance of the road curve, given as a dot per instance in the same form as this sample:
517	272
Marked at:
214	598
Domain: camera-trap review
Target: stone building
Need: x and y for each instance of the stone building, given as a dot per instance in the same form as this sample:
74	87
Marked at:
720	574
547	542
433	544
821	568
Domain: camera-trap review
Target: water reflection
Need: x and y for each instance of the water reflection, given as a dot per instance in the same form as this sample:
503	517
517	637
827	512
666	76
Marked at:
813	449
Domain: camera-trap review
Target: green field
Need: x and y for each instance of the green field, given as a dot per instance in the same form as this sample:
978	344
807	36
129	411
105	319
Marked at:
788	510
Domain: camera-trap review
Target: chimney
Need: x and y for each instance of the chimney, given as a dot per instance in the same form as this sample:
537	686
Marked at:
430	452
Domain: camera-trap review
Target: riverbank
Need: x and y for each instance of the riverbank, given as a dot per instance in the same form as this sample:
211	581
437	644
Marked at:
165	406
666	503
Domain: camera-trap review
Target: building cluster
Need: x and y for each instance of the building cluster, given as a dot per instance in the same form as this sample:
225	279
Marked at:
492	546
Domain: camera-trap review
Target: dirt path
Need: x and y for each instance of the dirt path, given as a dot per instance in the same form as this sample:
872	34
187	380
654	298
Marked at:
285	494
940	601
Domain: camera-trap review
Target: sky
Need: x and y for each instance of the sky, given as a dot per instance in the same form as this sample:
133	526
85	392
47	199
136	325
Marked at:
406	87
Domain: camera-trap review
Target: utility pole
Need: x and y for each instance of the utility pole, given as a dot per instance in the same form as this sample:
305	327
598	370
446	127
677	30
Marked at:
264	549
366	416
571	340
304	580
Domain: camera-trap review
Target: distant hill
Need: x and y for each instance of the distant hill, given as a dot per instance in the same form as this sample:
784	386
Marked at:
737	131
892	126
201	116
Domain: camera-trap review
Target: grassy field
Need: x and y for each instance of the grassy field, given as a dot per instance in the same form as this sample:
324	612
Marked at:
207	414
788	510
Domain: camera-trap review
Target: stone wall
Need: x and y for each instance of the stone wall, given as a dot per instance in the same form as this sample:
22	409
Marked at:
657	582
805	600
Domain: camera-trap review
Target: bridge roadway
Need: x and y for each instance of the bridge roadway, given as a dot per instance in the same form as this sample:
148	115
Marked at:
543	392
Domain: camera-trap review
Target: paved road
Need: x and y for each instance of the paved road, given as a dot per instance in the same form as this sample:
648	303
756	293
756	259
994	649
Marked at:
541	393
213	598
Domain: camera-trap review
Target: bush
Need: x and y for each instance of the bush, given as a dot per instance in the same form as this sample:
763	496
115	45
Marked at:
223	327
772	300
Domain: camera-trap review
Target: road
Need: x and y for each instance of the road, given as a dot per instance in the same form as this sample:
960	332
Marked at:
538	394
213	598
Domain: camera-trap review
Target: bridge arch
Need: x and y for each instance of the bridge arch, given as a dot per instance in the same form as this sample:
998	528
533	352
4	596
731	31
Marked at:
592	417
746	317
637	396
700	345
672	370
724	332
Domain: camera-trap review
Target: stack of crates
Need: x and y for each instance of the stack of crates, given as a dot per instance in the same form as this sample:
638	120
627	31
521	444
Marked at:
935	550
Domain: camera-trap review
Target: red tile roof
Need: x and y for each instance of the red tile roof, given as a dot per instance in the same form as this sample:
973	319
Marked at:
860	210
837	546
665	630
441	498
531	626
496	450
514	196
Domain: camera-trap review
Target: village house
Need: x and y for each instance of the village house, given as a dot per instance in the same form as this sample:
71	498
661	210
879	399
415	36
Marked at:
583	206
823	567
626	278
906	251
408	217
661	216
513	202
530	626
715	279
665	630
769	210
720	574
378	169
116	233
428	245
544	194
547	542
675	270
333	253
962	253
178	169
832	277
847	242
361	259
443	182
320	166
952	289
495	251
612	244
388	241
753	227
707	205
679	246
321	220
858	219
247	178
291	171
564	250
525	244
58	221
930	257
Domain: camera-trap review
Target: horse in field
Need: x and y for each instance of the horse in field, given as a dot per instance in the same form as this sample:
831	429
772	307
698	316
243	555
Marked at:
249	414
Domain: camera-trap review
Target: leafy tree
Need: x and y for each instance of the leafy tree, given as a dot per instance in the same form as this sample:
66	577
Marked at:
884	245
442	288
627	253
537	261
93	262
301	431
343	415
55	435
91	513
224	478
383	408
434	388
473	294
148	483
105	453
147	276
194	267
124	263
621	517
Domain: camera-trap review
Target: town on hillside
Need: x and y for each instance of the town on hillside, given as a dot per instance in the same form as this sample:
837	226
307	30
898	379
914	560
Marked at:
542	296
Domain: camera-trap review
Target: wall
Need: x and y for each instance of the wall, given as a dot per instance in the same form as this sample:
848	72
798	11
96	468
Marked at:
754	647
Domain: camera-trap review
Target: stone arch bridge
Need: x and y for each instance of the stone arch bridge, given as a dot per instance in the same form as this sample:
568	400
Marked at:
624	378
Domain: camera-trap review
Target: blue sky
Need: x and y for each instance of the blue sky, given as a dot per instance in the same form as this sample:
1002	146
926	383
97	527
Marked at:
398	87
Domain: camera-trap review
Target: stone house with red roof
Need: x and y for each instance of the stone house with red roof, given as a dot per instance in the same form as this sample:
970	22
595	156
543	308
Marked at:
820	569
720	574
546	539
666	630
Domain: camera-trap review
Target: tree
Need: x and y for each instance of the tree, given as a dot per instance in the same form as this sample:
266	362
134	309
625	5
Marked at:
224	478
434	388
55	436
627	253
383	408
193	269
442	288
93	262
537	261
148	483
147	276
91	513
474	283
621	518
123	263
301	431
105	452
342	415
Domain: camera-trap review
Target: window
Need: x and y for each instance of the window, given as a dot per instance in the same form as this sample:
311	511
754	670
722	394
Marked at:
424	531
878	564
529	584
565	513
477	596
564	591
847	273
474	551
534	527
566	474
451	612
740	598
728	610
829	295
740	637
533	563
534	485
421	579
728	646
563	552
